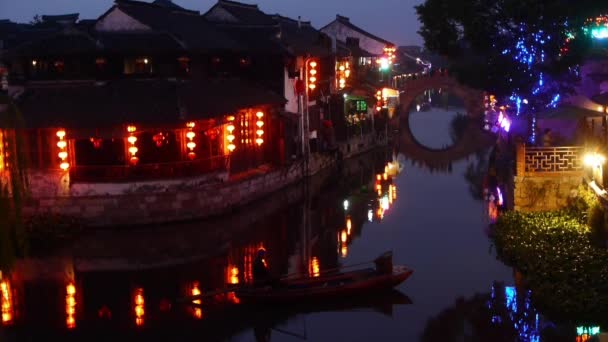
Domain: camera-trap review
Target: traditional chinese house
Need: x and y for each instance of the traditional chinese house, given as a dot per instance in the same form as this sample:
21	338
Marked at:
148	92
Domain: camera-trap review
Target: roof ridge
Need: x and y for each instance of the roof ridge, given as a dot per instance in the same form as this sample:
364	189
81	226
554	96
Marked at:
239	4
154	5
295	21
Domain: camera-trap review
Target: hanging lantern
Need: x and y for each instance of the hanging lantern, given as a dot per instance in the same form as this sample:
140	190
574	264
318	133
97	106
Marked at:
191	144
312	75
260	123
230	134
132	139
343	74
96	143
62	154
159	138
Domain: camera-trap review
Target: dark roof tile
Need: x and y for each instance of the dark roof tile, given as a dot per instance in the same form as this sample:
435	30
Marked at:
87	105
346	22
245	13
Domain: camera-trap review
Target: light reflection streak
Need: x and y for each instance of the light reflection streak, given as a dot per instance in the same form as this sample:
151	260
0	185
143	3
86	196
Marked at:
197	311
315	268
70	306
139	306
6	301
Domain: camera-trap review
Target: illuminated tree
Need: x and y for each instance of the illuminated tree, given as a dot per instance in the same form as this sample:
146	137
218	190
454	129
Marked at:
526	51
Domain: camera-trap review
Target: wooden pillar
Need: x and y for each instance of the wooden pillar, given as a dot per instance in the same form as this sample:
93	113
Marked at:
520	157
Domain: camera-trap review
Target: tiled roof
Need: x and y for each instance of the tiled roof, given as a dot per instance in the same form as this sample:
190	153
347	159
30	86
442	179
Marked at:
89	105
353	50
301	38
246	14
346	22
72	17
55	44
138	42
186	26
168	4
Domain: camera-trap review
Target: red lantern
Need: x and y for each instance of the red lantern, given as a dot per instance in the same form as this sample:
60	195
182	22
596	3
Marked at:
212	133
96	143
191	155
159	139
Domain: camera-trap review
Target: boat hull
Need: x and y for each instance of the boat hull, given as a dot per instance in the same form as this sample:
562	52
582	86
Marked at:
319	289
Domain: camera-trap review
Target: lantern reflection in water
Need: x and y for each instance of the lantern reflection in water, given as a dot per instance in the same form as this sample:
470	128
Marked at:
315	268
349	225
6	300
197	311
250	255
233	275
139	306
232	298
70	306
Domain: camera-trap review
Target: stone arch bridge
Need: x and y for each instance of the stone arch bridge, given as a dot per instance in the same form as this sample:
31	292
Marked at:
473	98
473	139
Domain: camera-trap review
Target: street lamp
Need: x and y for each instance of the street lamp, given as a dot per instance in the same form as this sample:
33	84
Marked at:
595	161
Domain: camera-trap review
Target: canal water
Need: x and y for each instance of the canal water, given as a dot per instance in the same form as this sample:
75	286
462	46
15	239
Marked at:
127	284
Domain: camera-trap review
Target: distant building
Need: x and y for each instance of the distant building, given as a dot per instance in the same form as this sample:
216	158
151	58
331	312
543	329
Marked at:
342	29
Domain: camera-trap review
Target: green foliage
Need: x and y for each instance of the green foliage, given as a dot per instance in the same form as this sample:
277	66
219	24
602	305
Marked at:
554	250
582	203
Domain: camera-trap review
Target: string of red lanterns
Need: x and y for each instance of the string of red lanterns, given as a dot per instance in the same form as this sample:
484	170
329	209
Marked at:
260	131
132	139
191	144
230	136
62	144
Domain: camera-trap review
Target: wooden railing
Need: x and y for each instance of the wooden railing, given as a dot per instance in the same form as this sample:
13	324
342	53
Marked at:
146	172
549	160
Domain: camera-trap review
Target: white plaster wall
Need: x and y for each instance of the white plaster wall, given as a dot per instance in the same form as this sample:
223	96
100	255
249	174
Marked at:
118	20
341	32
289	93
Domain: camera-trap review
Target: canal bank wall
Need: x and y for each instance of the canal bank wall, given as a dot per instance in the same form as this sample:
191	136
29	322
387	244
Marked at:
181	200
161	247
546	177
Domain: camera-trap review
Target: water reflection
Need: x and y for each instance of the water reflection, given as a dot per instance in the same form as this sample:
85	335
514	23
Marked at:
70	306
136	284
117	287
6	301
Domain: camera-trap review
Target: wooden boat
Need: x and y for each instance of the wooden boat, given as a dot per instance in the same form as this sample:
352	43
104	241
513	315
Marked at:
329	286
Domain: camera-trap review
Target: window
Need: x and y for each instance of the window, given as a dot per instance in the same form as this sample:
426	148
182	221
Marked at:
97	152
59	67
40	149
183	64
158	147
142	65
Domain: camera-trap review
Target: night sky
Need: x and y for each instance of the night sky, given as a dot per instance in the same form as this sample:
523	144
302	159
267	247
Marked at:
394	20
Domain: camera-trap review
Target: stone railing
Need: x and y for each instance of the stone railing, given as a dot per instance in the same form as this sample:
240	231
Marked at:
549	161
